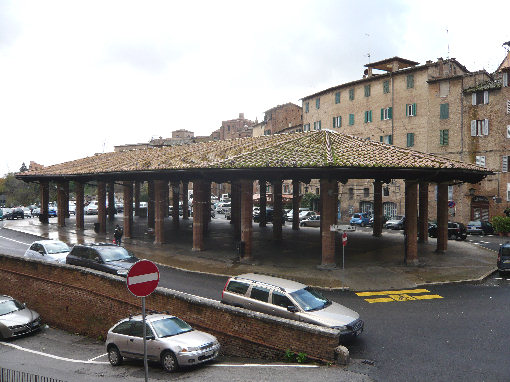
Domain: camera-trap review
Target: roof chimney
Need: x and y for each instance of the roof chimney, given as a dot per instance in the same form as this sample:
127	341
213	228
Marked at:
241	115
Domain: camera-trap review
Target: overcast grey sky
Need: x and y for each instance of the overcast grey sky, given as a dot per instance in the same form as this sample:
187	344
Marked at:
78	77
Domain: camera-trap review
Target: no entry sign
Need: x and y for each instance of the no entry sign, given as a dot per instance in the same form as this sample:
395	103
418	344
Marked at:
344	239
142	278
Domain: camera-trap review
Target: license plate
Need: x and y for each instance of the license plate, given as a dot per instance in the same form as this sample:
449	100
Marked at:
506	261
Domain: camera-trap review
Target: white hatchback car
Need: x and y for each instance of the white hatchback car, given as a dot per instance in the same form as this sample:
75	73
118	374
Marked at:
48	250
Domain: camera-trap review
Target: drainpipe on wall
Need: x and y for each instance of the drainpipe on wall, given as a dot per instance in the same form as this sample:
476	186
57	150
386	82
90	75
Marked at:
393	109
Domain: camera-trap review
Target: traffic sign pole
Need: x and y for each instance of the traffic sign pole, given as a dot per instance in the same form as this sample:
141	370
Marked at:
142	279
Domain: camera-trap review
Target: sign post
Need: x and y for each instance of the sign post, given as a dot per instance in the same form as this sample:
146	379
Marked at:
343	229
142	279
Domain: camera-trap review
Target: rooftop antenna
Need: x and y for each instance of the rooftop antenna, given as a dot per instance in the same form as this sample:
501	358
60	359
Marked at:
448	42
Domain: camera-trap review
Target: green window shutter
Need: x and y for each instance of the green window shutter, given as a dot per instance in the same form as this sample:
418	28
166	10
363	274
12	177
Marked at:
339	121
391	139
382	114
390	113
370	115
334	122
414	109
381	138
365	116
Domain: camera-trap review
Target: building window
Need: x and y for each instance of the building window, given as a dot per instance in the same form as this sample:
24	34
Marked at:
410	139
444	88
351	94
508	106
508	131
306	127
386	113
504	163
337	97
386	139
318	103
337	122
351	119
367	90
351	193
444	111
505	79
479	127
386	87
410	81
368	116
443	137
508	192
480	160
386	191
307	107
411	110
366	192
480	97
267	132
286	189
317	125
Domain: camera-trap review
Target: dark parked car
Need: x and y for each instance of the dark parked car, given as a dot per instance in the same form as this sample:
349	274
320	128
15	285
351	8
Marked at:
504	258
456	231
103	257
478	227
18	213
269	216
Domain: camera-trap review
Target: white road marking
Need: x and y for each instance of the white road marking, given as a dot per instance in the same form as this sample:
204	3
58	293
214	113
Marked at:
259	365
16	241
99	356
143	278
51	355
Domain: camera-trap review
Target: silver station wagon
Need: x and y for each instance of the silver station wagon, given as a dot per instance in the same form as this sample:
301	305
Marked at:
292	300
170	341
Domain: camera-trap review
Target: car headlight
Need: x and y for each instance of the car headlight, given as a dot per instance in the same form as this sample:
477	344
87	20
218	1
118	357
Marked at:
341	328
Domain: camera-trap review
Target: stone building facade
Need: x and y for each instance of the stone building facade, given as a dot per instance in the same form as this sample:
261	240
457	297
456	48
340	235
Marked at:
236	128
426	108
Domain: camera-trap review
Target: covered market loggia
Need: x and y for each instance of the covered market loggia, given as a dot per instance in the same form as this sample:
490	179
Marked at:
330	157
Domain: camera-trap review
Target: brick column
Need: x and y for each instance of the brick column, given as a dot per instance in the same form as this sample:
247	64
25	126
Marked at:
198	215
295	204
44	191
247	217
137	198
277	210
411	229
185	206
235	209
79	190
263	203
101	206
175	204
442	217
150	204
128	209
423	212
378	209
61	199
329	200
111	201
159	211
66	200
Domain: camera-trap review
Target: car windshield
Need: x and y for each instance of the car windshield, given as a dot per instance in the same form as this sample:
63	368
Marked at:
309	299
10	306
114	253
505	251
168	327
53	248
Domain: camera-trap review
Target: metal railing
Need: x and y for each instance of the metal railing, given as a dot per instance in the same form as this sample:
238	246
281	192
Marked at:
7	375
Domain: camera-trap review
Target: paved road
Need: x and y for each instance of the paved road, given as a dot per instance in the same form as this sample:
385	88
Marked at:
450	332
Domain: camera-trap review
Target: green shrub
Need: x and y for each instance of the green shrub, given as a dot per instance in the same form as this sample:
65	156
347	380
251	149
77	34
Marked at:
501	223
290	356
301	357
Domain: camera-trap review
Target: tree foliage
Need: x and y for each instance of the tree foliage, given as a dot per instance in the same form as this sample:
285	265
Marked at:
17	192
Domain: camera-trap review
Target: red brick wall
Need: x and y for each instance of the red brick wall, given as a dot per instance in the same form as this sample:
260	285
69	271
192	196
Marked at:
89	303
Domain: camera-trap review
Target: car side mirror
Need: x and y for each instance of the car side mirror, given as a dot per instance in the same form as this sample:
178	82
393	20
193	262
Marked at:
292	309
41	251
97	260
151	337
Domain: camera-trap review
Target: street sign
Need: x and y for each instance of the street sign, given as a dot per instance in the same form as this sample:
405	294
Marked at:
142	278
344	239
342	227
451	204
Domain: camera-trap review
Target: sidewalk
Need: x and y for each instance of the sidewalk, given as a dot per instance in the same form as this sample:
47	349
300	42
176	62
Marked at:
370	263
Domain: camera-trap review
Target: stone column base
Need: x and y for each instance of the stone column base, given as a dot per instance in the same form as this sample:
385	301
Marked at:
327	267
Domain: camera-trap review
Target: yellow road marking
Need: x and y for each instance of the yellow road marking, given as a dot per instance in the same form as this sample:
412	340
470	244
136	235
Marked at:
390	292
399	295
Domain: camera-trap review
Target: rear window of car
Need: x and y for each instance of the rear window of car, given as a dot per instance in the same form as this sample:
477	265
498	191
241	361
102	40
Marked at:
505	251
237	287
259	293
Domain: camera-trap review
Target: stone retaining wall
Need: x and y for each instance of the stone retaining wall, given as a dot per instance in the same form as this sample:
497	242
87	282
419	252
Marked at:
89	302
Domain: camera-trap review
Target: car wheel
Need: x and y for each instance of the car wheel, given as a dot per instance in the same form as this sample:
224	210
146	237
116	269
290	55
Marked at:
169	362
362	224
114	356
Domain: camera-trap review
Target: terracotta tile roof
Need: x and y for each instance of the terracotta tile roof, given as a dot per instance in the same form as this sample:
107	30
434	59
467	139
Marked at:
320	149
